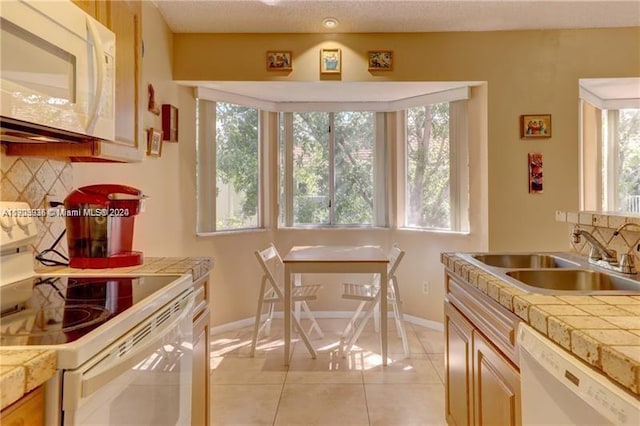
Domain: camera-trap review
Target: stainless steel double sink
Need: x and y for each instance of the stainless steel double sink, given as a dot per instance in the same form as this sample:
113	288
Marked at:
554	273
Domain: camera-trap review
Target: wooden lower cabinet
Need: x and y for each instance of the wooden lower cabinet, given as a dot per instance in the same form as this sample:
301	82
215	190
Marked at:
27	411
201	368
496	388
482	386
459	367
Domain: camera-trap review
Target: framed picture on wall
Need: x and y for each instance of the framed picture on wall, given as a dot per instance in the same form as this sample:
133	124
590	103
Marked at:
330	61
535	126
380	60
535	173
169	123
154	142
279	60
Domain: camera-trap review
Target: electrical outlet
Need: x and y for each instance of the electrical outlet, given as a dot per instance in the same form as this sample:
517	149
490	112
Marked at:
426	287
53	200
53	204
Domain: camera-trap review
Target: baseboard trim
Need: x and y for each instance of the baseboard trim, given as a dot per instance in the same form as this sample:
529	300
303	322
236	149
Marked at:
230	326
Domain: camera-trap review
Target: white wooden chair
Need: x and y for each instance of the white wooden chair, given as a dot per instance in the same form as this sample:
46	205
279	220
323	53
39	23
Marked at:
369	297
272	292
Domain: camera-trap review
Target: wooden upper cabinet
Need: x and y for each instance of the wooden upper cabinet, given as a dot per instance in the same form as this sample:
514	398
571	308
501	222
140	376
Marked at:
125	22
124	18
97	9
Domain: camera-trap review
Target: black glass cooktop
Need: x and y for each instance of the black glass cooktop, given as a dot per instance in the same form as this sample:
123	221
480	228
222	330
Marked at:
57	310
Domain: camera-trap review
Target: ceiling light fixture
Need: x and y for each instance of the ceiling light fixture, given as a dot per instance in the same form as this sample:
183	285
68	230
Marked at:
330	23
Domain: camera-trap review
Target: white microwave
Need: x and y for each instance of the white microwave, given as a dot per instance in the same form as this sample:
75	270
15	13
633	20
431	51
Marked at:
57	73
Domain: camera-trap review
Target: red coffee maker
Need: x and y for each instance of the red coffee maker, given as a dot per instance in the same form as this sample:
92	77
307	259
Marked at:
100	221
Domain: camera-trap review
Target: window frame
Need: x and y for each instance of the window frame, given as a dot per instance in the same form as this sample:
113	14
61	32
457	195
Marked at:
459	184
206	171
598	171
389	204
380	174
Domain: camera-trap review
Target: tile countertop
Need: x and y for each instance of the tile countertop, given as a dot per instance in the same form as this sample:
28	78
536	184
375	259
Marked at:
23	370
603	331
197	266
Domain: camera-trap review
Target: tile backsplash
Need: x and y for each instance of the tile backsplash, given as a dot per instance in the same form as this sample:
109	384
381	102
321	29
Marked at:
603	226
30	179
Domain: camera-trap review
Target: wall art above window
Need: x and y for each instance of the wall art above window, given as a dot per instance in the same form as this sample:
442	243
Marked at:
279	60
380	60
330	61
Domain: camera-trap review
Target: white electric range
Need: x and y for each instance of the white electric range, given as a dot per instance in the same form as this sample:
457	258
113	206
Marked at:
123	343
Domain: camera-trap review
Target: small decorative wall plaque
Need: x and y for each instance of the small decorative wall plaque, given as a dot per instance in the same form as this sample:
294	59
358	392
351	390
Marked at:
154	142
535	172
380	60
330	61
279	61
152	105
535	126
169	123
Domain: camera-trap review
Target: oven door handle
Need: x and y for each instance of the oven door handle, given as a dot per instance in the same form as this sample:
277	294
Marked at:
98	377
82	383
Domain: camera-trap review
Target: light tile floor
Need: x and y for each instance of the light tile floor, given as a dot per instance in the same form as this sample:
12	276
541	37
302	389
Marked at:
330	390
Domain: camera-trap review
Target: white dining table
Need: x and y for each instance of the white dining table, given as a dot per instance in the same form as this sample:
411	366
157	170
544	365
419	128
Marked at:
334	260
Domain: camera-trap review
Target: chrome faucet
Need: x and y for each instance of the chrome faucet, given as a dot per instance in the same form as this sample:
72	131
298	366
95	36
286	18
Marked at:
627	262
598	250
604	257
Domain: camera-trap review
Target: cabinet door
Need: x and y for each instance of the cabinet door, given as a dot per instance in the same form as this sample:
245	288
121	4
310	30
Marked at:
125	23
459	367
125	20
497	386
29	410
98	9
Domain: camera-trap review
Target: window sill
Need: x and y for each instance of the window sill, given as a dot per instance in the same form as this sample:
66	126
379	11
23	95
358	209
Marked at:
333	228
231	232
434	231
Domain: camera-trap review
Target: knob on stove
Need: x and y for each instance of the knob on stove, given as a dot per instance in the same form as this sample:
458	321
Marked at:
17	225
7	222
24	221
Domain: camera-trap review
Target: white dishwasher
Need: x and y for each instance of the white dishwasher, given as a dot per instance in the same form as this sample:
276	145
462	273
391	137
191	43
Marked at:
558	389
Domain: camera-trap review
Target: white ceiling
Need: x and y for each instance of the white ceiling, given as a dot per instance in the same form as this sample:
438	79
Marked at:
360	16
305	16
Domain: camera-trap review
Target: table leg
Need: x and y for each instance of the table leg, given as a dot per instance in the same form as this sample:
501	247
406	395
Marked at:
287	315
384	308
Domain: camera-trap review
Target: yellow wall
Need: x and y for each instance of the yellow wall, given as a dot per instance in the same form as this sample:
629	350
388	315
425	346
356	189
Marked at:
528	72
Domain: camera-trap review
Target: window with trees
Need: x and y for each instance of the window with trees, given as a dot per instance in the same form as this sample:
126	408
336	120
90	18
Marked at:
621	160
331	169
610	145
229	155
436	175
